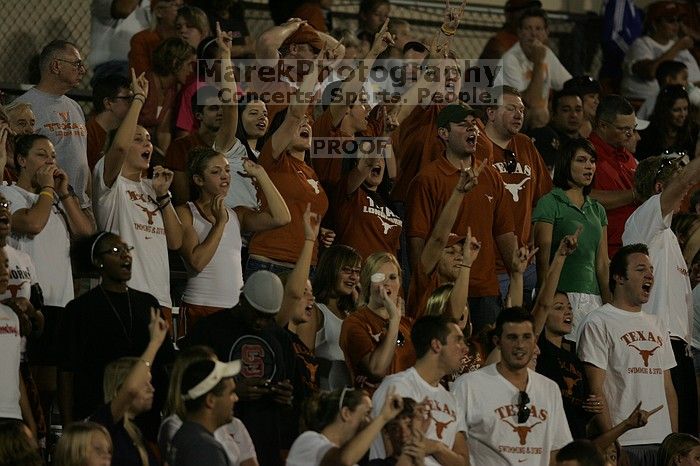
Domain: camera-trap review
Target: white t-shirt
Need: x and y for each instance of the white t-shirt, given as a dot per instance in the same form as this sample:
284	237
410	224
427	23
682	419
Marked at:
110	38
671	297
234	437
517	71
634	350
242	190
495	437
446	416
220	283
309	449
50	249
62	120
646	48
328	348
22	277
128	209
9	363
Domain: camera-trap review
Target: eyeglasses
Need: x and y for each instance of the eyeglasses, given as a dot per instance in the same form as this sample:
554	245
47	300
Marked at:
671	19
511	162
5	204
523	411
350	271
126	98
117	250
625	129
342	397
677	159
77	64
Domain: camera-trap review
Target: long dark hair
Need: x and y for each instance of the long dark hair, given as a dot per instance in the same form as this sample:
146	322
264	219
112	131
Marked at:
330	263
660	121
241	133
562	164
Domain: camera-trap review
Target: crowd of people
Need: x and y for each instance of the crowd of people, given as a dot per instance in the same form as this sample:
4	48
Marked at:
379	271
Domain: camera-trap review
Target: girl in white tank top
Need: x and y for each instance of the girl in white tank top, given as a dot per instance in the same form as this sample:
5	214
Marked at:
211	244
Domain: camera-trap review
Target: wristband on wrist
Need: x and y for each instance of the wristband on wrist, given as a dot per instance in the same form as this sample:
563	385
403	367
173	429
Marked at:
447	32
47	194
63	197
163	197
48	186
162	207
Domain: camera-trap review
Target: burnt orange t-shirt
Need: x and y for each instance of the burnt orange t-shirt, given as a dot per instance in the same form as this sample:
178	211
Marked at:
143	44
96	137
177	155
420	288
298	184
363	221
416	144
362	333
485	209
329	166
524	187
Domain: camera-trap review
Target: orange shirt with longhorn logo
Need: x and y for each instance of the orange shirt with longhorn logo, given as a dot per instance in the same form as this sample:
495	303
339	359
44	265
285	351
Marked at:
361	334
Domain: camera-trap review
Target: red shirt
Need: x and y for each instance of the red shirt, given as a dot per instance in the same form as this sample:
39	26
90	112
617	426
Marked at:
614	171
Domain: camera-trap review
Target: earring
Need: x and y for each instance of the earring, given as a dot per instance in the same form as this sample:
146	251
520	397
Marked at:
101	266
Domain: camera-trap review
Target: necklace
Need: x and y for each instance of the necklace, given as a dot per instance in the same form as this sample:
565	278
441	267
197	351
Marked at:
127	334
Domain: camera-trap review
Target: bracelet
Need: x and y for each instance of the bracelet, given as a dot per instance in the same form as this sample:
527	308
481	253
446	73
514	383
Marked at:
65	196
47	194
140	94
163	197
147	363
162	207
143	101
447	32
48	187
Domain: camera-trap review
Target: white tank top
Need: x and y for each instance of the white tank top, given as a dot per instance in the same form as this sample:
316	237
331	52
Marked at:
221	281
328	347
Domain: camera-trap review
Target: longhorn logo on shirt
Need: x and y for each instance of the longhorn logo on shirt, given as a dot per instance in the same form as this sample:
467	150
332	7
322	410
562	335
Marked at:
313	183
149	213
387	226
14	288
439	426
522	431
64	116
645	354
385	215
514	188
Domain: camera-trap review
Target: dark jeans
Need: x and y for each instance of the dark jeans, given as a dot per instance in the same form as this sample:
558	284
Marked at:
529	284
642	455
253	265
483	311
683	376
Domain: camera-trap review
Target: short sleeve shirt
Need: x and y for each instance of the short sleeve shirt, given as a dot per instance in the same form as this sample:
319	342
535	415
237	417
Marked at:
362	333
490	403
517	71
634	349
309	449
579	272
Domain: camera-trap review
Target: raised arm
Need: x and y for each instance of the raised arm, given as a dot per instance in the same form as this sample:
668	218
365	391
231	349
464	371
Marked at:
548	287
638	418
542	232
520	260
117	152
353	84
140	373
678	186
430	256
277	213
296	281
271	40
614	199
377	362
226	136
296	111
353	451
602	266
78	220
32	220
460	290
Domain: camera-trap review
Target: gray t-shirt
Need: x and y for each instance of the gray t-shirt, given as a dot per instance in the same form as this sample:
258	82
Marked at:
193	445
61	119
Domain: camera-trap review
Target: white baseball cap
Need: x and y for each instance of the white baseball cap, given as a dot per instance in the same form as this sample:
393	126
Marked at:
219	371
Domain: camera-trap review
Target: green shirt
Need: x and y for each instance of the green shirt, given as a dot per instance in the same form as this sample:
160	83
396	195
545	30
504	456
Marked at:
579	272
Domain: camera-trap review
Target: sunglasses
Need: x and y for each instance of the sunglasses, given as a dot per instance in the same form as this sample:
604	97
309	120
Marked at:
511	162
342	397
678	159
523	411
